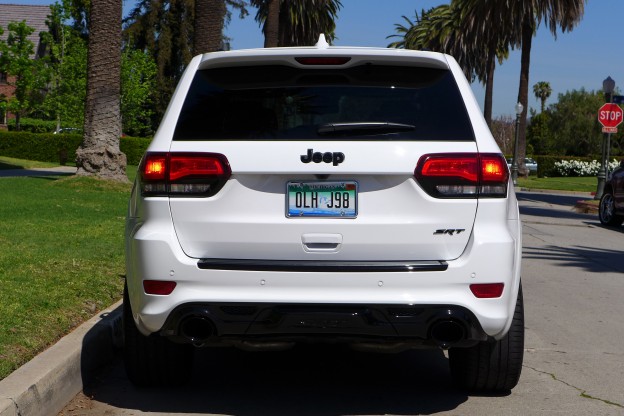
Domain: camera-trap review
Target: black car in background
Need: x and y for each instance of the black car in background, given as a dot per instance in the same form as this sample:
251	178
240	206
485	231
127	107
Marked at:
611	209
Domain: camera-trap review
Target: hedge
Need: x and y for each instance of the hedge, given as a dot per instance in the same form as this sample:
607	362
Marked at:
60	148
546	164
33	125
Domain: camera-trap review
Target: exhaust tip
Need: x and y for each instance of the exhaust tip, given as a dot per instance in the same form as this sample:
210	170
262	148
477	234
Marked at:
197	329
448	332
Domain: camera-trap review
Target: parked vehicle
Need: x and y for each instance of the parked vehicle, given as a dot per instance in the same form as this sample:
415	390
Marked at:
69	130
324	194
531	164
611	208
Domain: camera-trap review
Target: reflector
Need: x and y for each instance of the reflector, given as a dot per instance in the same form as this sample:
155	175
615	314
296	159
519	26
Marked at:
487	290
158	287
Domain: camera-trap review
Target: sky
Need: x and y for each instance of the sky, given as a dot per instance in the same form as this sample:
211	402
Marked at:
582	58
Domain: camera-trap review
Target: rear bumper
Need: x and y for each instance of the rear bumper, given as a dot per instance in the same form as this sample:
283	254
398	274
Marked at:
491	256
231	323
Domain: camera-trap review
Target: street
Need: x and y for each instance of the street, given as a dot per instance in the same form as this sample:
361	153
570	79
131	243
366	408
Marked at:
573	280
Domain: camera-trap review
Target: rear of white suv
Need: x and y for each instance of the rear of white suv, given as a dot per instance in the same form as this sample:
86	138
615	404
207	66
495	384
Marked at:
323	194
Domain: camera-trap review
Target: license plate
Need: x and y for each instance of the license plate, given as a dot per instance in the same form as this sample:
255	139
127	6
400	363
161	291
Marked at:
321	199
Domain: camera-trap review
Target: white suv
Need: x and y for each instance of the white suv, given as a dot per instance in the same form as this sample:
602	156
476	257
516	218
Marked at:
324	194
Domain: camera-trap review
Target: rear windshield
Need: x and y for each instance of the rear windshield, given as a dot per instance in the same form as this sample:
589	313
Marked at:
367	102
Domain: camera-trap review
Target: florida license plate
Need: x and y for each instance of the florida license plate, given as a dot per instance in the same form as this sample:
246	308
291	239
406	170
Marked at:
321	199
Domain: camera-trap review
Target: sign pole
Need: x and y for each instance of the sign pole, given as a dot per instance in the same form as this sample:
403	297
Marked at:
610	116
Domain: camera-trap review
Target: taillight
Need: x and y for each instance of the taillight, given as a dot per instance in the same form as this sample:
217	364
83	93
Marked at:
463	175
183	174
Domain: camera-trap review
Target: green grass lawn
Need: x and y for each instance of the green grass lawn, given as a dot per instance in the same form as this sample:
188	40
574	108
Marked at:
61	260
584	184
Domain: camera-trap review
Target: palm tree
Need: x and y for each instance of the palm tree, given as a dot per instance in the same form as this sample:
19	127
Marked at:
542	91
99	152
457	30
208	27
300	21
488	41
523	18
209	19
271	27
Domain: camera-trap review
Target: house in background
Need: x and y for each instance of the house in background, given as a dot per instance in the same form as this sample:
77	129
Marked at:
35	17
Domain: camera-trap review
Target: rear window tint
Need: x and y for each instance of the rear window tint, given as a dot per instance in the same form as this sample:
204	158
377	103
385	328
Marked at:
285	103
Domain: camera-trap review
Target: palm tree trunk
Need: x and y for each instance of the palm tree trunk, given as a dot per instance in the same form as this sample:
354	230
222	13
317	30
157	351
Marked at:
271	28
99	152
523	91
208	30
489	90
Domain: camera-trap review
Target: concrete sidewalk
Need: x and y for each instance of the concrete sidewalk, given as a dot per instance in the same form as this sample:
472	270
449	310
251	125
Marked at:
44	385
55	171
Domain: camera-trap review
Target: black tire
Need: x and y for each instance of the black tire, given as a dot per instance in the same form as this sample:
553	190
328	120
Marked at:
606	210
491	366
153	360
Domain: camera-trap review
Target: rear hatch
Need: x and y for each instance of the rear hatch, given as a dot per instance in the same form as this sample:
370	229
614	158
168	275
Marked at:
327	164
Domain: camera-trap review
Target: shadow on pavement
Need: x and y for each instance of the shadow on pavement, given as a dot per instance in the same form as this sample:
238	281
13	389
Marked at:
594	260
308	380
557	199
562	206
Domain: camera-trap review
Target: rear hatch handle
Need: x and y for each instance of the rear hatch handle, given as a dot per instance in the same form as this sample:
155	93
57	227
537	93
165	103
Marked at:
321	243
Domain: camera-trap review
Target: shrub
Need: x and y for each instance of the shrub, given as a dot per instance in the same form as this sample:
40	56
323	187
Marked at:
581	168
33	125
60	148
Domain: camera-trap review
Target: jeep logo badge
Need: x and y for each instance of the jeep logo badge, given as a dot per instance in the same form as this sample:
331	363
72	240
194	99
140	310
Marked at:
328	157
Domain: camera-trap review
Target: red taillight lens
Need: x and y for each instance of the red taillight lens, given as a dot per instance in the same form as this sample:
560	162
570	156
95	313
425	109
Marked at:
194	166
487	290
158	287
183	174
463	175
463	167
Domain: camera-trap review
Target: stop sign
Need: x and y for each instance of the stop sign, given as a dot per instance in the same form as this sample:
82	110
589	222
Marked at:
610	115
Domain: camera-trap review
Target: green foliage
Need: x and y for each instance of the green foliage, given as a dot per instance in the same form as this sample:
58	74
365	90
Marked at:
66	61
164	30
16	60
542	91
574	123
301	22
138	82
539	135
134	148
58	147
42	147
33	125
570	127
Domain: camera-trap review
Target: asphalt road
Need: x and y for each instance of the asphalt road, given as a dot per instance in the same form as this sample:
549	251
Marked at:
573	279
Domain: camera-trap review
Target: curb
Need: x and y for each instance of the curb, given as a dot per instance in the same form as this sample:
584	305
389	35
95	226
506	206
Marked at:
45	384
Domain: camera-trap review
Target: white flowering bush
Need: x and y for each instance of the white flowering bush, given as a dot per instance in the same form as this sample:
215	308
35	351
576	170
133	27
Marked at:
581	168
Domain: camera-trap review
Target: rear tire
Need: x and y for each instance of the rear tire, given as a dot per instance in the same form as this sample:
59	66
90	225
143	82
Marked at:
606	210
491	366
153	360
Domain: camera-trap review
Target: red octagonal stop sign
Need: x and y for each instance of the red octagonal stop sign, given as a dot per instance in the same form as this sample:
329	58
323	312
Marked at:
610	115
